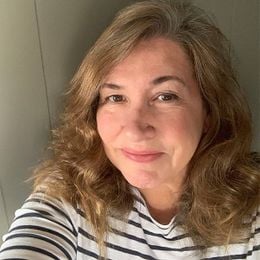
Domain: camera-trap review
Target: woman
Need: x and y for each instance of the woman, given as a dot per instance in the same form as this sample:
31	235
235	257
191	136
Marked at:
151	161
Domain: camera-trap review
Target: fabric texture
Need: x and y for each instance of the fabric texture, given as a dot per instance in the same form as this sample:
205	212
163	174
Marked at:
47	228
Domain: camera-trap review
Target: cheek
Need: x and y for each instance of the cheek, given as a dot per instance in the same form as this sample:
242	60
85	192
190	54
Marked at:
106	126
184	128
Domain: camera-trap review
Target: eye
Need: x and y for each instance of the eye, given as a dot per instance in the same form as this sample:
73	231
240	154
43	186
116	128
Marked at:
167	97
115	98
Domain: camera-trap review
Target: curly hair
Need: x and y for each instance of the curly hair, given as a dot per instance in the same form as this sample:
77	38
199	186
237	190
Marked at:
222	185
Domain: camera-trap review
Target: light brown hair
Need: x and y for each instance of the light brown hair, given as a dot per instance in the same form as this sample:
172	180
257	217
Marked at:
222	187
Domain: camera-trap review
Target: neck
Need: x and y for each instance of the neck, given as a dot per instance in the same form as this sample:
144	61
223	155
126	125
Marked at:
162	203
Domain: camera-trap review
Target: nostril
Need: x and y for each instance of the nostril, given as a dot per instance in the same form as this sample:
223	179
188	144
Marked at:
138	130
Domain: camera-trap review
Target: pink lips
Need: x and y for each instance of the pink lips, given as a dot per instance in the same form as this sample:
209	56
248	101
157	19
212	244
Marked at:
141	156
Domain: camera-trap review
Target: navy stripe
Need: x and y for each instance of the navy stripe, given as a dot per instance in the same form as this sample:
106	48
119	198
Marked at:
43	201
147	232
44	212
132	237
25	235
218	258
92	254
139	200
249	253
174	225
130	251
148	218
252	235
31	248
257	230
142	215
55	208
252	220
155	247
38	215
80	212
86	234
47	230
241	256
133	252
116	247
14	258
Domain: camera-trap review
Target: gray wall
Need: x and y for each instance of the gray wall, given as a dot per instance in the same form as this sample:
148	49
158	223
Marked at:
42	43
240	21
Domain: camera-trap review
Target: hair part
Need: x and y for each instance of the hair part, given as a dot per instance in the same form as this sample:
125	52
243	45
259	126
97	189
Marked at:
222	187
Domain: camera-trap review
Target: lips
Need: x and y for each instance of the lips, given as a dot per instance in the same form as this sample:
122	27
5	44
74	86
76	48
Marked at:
141	156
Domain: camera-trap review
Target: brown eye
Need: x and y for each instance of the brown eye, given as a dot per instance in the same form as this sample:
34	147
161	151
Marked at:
115	98
167	97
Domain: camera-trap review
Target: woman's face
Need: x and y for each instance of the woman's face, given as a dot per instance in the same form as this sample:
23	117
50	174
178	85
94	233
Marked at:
151	116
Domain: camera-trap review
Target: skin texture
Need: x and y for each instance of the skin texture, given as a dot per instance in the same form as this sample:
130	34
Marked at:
150	119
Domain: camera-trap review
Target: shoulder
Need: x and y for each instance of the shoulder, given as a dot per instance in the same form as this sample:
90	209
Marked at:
43	226
41	205
255	227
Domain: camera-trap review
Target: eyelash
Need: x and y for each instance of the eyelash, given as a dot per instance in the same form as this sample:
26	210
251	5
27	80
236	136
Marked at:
117	98
173	97
108	99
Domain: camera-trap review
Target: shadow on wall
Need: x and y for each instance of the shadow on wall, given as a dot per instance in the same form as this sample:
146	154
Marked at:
44	41
66	35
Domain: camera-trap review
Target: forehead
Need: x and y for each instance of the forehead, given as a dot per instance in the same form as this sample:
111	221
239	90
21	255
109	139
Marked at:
153	56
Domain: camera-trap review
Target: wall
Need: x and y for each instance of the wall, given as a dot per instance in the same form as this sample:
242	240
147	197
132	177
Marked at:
42	43
240	22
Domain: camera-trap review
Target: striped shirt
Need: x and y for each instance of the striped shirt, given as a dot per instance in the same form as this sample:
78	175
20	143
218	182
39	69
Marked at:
46	228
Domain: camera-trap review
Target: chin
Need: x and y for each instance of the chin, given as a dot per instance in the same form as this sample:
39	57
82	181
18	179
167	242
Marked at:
142	180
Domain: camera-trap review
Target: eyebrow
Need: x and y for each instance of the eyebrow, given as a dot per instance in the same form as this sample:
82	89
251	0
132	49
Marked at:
111	86
163	79
154	82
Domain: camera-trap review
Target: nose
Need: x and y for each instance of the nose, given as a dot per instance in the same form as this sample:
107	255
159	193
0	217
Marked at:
138	124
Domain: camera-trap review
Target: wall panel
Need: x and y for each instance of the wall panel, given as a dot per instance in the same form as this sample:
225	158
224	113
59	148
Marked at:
42	43
245	39
67	30
23	108
4	223
239	21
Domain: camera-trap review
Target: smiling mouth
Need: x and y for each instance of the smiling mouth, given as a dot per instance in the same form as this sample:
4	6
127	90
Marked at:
141	156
